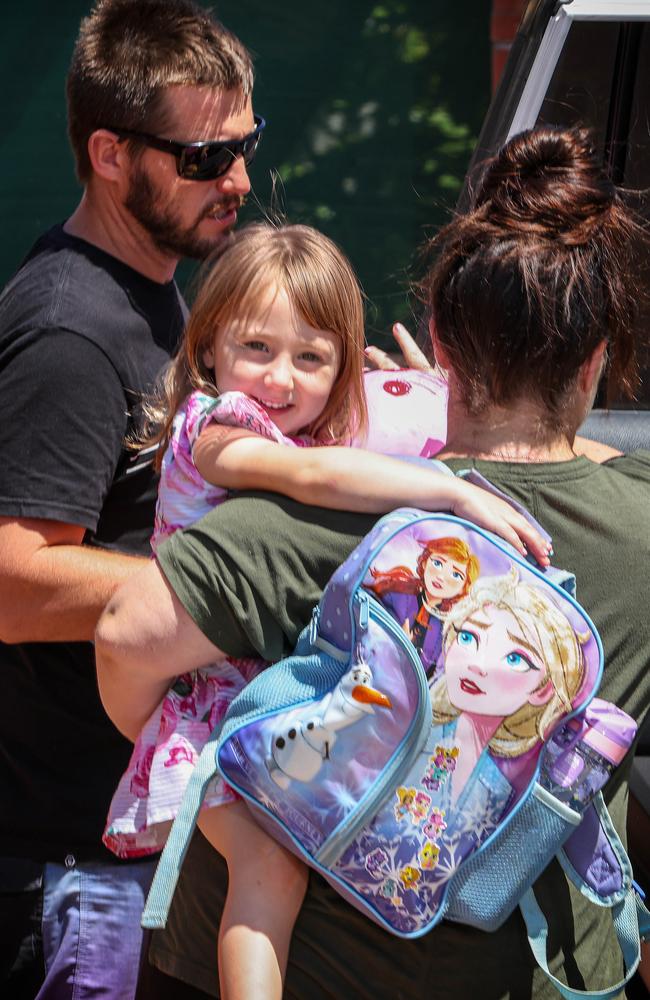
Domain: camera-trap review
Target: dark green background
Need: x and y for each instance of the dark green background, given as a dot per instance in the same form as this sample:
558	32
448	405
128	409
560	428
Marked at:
373	110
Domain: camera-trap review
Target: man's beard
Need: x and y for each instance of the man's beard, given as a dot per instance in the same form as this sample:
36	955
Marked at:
144	202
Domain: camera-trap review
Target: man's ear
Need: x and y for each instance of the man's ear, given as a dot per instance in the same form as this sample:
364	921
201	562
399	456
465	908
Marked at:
108	156
439	352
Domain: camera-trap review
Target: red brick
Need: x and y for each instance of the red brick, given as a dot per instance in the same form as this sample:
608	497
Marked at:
506	15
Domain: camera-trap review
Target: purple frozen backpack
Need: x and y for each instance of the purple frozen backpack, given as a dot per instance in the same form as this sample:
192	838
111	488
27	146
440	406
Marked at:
434	740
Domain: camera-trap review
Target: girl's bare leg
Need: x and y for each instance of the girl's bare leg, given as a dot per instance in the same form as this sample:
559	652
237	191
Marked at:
266	887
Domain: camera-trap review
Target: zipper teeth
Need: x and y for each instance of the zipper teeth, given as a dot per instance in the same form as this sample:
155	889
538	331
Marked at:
331	849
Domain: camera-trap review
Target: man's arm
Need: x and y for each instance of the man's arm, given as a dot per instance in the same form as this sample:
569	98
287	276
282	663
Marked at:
53	589
63	419
144	639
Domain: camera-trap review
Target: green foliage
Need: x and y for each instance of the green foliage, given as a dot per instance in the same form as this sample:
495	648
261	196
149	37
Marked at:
372	122
372	110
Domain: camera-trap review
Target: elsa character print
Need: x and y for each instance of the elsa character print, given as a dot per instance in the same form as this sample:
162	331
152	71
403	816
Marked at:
421	601
512	666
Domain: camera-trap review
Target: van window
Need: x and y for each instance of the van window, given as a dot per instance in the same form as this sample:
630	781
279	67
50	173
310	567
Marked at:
602	79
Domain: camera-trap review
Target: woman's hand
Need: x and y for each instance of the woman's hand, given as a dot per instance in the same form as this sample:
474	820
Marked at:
491	512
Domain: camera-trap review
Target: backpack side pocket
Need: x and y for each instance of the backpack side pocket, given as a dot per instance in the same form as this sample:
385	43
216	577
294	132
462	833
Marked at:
486	889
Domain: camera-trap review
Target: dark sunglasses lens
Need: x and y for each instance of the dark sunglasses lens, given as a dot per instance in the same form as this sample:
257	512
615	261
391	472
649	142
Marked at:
205	163
209	162
250	148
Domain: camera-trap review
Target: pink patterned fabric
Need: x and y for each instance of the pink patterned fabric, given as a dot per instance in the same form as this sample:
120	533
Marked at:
407	415
151	789
183	495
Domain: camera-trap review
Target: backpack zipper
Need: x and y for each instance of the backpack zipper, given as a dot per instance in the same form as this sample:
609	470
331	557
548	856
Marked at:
405	754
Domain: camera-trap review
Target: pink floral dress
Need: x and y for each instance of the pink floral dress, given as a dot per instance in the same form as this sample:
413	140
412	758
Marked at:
166	751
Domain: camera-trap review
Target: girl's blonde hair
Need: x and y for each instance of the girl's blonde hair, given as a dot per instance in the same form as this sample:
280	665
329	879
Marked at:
321	287
546	628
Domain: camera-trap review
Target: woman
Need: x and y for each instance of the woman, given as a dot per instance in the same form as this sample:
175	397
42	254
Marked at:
532	297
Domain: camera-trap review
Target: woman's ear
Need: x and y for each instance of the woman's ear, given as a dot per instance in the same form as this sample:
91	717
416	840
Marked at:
439	352
591	370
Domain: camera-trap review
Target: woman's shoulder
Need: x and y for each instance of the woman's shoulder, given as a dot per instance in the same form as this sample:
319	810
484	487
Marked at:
633	465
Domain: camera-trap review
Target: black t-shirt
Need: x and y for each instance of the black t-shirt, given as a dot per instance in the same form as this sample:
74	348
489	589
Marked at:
82	336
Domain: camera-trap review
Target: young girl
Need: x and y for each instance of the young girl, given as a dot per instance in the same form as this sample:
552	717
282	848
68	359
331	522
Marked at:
271	364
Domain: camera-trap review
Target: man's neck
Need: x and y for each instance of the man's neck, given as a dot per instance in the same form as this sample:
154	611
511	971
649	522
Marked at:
106	226
517	434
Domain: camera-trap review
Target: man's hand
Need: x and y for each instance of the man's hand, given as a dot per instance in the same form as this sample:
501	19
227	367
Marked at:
413	356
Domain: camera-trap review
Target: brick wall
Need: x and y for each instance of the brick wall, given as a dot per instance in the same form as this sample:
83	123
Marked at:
506	15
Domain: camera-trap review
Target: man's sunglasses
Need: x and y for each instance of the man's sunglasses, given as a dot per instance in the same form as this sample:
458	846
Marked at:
202	161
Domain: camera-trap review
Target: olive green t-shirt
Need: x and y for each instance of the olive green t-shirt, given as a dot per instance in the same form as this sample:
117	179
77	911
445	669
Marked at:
249	574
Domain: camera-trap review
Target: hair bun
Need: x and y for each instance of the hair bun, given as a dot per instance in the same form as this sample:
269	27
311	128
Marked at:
547	182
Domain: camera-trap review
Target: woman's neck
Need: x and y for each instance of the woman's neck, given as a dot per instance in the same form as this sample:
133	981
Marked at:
516	434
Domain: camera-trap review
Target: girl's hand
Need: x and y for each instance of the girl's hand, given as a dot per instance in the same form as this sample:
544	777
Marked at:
494	514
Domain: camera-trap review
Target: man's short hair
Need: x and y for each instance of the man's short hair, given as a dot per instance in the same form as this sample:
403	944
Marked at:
129	51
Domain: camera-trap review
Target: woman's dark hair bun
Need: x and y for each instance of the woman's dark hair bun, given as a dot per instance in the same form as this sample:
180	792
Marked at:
540	271
548	182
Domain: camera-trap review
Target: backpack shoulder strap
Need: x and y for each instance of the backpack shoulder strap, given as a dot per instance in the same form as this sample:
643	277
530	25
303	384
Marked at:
171	859
563	578
617	892
628	916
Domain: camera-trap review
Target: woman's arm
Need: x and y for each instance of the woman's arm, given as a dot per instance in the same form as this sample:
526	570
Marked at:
353	479
144	639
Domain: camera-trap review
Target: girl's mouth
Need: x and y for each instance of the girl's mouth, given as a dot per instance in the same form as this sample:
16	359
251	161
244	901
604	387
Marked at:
469	687
276	407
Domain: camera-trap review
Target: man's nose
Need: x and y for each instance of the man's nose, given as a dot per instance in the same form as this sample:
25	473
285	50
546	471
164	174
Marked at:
236	180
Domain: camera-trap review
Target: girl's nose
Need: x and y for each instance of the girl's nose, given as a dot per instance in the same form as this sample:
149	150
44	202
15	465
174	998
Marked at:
279	374
477	666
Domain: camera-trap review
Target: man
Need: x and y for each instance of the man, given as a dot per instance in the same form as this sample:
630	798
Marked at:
162	129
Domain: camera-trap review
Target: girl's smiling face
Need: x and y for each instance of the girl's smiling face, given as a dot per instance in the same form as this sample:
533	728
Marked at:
444	577
491	668
287	366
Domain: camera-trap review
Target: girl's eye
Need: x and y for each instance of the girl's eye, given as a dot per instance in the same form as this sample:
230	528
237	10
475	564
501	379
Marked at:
458	576
311	357
520	662
467	638
437	563
255	345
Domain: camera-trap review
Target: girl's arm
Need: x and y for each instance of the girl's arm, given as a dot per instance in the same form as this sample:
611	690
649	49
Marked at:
353	479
